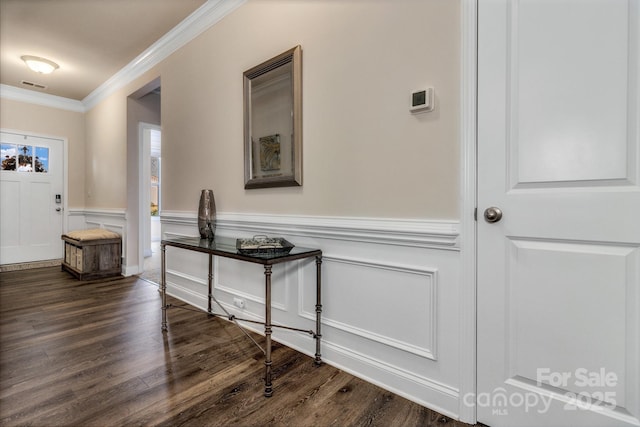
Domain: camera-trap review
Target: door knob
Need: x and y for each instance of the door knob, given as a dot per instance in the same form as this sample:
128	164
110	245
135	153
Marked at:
492	214
58	209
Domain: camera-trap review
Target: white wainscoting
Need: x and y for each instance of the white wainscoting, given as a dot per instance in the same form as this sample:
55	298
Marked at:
75	220
390	294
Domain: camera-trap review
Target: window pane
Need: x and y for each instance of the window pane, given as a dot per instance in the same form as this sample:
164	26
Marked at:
25	158
155	170
42	159
8	152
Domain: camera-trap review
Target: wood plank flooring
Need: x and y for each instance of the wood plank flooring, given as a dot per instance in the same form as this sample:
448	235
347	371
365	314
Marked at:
76	353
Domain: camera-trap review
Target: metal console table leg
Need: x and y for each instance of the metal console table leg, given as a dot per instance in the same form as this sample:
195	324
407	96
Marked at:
163	286
318	337
210	284
268	391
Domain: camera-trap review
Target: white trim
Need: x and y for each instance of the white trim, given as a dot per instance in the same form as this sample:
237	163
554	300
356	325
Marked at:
179	218
75	212
115	213
186	277
111	213
193	25
207	15
65	185
130	270
32	97
439	387
403	232
428	352
442	392
74	219
468	181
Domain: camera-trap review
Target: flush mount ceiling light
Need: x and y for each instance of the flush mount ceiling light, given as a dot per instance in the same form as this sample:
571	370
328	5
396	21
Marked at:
39	65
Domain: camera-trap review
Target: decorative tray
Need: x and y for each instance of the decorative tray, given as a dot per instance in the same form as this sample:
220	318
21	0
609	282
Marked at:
263	245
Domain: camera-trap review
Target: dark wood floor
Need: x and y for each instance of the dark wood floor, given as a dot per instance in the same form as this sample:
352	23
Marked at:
78	353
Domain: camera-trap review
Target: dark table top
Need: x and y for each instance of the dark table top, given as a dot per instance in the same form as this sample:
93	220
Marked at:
226	247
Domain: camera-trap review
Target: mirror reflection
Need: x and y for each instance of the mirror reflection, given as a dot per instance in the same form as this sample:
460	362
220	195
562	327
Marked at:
272	122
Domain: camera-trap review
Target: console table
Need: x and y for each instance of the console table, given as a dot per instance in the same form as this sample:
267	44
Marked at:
226	247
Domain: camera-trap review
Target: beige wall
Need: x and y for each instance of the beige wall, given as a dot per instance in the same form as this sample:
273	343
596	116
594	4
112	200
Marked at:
106	152
31	118
364	153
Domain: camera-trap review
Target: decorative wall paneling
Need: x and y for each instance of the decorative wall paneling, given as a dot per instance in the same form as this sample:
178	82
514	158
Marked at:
390	294
75	219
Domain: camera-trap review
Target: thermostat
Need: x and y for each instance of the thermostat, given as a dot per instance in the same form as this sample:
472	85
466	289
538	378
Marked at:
421	100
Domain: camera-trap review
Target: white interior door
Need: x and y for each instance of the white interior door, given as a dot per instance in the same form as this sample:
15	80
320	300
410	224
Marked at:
558	154
30	218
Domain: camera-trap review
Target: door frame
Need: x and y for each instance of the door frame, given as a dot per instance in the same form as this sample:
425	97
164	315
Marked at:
468	211
144	186
133	250
65	169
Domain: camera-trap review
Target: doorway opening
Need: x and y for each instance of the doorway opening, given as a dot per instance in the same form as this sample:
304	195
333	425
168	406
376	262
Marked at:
143	121
150	168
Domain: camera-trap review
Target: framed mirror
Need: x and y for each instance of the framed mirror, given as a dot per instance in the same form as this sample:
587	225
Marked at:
273	122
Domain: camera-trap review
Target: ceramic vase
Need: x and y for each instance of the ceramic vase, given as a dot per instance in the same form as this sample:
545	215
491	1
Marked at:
207	215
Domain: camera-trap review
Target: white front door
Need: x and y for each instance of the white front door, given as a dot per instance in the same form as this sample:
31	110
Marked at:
559	155
31	176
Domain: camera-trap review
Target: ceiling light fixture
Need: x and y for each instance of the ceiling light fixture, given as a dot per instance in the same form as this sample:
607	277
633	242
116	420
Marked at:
39	65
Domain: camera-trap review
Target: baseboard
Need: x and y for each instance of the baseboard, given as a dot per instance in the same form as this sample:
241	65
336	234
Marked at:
427	392
130	270
30	265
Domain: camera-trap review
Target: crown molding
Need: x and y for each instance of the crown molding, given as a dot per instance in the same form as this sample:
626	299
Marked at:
32	97
202	19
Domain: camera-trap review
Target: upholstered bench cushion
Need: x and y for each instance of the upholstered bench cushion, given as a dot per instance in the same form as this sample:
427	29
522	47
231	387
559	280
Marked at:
92	234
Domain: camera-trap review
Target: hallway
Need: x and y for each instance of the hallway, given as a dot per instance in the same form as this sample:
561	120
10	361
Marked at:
92	353
151	271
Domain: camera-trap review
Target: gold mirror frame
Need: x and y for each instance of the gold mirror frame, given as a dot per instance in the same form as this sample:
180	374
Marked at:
273	122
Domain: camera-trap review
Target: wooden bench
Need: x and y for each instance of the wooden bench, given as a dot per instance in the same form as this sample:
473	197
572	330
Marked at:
92	254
